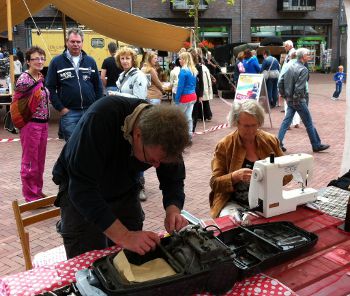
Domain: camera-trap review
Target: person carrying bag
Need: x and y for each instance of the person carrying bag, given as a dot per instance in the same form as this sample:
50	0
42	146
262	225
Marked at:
271	76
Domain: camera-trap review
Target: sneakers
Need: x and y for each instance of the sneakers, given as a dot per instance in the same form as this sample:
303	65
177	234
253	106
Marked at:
283	149
334	99
142	195
321	148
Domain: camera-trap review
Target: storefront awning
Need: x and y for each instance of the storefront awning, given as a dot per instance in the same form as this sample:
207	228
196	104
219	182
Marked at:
106	20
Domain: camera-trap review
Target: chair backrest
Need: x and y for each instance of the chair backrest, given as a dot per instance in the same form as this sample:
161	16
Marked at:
22	222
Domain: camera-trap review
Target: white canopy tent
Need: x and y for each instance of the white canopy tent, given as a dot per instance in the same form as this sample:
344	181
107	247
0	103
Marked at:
346	153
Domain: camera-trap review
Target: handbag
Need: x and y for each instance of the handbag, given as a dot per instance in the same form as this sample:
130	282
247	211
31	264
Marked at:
342	182
8	124
274	74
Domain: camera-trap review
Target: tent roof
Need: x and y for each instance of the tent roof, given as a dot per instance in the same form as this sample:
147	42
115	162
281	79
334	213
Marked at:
105	20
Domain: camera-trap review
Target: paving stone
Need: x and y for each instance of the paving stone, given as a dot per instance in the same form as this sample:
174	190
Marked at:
328	117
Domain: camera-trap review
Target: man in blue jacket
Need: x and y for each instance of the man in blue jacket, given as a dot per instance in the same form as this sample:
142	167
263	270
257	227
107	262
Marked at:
73	81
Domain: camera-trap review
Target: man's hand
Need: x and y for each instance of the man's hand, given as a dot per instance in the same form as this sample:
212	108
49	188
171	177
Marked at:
64	111
173	219
139	242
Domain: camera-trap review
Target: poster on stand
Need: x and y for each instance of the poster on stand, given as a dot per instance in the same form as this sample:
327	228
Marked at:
253	86
249	86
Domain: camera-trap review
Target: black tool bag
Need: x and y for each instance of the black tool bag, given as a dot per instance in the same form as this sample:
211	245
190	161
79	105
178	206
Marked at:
342	182
200	260
261	246
207	263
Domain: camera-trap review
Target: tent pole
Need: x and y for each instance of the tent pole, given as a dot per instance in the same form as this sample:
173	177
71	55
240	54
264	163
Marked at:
64	25
10	43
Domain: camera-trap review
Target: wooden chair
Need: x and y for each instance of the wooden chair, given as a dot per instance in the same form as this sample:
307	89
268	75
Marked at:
23	221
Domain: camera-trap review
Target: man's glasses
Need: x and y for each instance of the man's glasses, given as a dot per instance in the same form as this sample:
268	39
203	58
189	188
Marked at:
152	162
42	59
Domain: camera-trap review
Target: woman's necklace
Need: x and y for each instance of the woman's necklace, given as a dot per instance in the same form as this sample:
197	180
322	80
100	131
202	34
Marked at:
35	76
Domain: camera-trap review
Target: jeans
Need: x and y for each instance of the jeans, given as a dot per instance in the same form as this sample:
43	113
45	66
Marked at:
338	88
69	121
187	108
272	92
111	88
305	116
34	141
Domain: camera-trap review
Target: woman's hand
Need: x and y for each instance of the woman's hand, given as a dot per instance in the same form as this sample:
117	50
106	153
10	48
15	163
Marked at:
241	175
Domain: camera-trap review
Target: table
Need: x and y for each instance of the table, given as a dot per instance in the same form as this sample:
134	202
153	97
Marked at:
324	270
51	277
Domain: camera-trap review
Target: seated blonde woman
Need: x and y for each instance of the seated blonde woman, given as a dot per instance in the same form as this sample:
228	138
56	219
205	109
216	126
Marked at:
235	155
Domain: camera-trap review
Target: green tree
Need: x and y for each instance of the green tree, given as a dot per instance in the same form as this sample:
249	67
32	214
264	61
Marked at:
194	9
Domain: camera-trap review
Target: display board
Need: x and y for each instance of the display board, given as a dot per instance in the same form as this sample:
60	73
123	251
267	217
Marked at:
253	86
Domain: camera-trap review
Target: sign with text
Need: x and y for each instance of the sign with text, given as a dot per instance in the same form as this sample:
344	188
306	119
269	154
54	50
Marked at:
253	86
249	86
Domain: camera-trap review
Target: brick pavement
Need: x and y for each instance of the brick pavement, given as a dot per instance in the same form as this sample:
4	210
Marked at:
328	117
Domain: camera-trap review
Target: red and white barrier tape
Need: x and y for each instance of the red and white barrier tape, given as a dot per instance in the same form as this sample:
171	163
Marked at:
214	128
10	140
217	127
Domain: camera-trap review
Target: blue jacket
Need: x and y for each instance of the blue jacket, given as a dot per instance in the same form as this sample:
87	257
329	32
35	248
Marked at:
251	65
339	77
267	62
69	90
186	84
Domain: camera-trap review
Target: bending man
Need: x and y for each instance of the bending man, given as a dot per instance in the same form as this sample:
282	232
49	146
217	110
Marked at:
98	172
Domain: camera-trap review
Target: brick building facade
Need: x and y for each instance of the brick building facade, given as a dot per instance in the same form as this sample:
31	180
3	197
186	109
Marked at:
246	21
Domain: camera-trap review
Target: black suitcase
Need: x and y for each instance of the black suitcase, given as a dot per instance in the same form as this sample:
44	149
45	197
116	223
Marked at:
207	263
201	261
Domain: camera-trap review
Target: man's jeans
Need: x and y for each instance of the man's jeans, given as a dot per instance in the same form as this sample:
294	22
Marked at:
338	87
305	116
111	88
69	121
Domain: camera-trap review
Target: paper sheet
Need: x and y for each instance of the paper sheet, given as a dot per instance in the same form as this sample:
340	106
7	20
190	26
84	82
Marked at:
150	270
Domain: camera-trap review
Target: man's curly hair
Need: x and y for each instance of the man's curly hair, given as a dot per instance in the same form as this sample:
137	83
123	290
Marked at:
167	126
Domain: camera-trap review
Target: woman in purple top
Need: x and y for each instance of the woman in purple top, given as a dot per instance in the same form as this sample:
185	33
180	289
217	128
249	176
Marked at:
30	90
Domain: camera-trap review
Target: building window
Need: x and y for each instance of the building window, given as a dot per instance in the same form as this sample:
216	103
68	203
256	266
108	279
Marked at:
97	42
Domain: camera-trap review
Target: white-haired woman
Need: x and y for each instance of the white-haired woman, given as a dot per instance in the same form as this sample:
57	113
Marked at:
235	155
186	88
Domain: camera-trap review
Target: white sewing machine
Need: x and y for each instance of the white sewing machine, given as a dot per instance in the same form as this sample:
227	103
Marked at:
267	181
